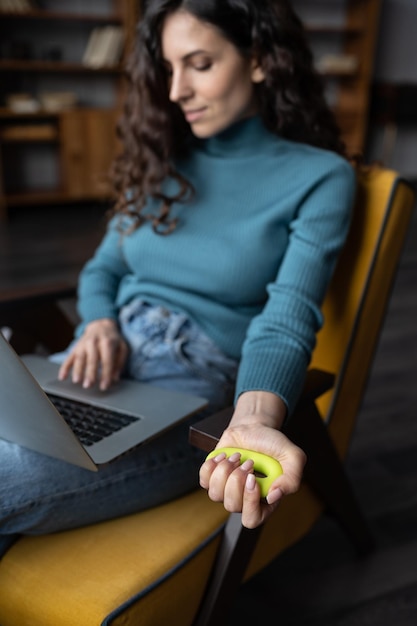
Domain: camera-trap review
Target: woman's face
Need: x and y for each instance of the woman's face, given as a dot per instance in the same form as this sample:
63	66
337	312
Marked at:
208	77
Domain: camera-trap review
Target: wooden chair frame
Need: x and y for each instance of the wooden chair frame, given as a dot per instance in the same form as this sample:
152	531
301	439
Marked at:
324	473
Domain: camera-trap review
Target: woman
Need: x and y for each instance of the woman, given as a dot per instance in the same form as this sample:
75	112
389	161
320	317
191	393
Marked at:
234	197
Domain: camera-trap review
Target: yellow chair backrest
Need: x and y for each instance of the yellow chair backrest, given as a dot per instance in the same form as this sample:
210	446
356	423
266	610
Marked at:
354	310
356	302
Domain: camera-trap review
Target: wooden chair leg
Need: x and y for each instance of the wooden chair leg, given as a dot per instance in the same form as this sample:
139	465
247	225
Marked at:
238	544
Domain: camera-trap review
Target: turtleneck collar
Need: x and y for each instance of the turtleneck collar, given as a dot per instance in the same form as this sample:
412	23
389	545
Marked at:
239	139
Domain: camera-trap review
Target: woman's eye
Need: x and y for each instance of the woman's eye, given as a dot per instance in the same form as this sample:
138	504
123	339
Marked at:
203	67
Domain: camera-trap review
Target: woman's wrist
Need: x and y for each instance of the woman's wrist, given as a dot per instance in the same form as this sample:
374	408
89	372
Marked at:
103	321
262	407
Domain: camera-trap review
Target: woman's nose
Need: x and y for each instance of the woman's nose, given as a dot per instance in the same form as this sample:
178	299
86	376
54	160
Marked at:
180	89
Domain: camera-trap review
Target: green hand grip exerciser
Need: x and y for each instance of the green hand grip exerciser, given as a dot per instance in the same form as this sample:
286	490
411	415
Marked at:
263	464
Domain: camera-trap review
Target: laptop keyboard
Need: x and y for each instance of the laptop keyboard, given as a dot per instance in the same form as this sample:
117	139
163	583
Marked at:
89	423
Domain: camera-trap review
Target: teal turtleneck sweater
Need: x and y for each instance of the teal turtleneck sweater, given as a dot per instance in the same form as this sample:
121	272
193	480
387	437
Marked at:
251	257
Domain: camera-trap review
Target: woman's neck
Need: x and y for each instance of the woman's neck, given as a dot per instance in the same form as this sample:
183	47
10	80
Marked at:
239	139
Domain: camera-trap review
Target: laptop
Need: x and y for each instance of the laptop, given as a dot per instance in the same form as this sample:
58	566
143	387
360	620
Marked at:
41	413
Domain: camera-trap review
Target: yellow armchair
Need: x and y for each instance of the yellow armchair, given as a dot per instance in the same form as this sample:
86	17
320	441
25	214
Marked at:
181	562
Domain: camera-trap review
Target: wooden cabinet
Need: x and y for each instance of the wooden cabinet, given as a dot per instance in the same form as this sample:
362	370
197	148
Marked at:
88	143
63	109
343	35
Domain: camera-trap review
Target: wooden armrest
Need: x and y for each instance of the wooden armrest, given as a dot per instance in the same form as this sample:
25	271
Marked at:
206	433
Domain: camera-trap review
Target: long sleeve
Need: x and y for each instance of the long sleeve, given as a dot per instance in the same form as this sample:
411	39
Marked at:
281	338
100	279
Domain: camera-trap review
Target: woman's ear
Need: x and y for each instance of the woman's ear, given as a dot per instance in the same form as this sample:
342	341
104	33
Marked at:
257	73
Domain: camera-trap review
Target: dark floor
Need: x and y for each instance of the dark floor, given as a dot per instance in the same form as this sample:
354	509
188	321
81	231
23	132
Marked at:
320	581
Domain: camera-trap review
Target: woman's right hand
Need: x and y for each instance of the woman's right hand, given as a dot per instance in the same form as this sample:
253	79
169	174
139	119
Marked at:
98	356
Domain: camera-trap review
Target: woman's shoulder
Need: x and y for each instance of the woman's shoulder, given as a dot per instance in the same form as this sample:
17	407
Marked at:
321	156
318	162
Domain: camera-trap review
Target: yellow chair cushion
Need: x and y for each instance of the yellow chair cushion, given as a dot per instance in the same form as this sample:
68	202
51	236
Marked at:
142	569
79	577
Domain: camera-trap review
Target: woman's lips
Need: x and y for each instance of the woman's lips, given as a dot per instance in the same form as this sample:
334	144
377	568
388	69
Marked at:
193	115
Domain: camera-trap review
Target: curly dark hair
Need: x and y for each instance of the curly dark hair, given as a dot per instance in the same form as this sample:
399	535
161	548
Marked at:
153	130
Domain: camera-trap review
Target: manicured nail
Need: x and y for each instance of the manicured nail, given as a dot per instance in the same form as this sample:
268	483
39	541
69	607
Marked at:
250	482
220	457
247	465
274	496
234	457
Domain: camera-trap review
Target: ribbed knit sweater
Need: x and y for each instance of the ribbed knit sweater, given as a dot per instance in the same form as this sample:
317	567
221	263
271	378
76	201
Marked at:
250	259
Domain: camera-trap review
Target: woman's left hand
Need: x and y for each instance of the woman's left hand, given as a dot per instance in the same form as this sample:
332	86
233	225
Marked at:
227	481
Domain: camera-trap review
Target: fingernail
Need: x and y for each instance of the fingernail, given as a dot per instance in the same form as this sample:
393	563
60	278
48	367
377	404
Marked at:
86	383
250	482
220	457
234	457
274	496
247	465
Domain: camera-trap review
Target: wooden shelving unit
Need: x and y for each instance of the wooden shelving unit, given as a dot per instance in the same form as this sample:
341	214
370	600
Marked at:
55	66
65	16
81	139
85	142
356	36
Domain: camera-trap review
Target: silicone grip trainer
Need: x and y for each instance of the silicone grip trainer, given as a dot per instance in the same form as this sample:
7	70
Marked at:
263	464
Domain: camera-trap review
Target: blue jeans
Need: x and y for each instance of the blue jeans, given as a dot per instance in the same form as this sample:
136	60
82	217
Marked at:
39	494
